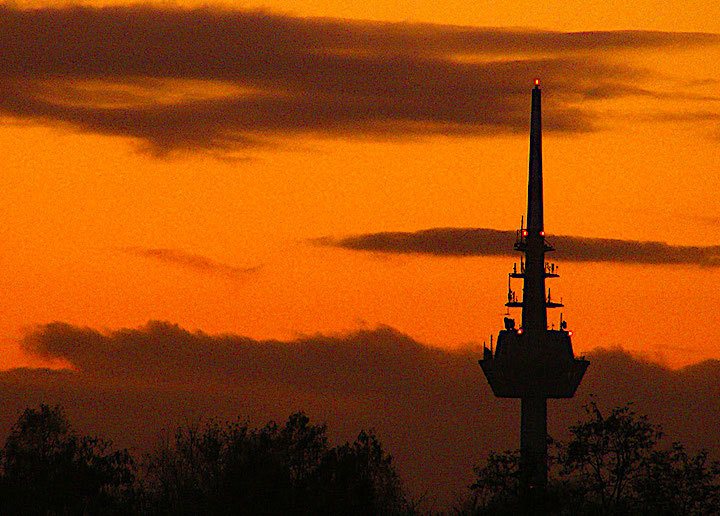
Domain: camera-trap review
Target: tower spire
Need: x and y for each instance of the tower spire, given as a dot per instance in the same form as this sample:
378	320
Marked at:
535	187
534	313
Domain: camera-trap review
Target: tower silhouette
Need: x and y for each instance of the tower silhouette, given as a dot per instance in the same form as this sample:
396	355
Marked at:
532	362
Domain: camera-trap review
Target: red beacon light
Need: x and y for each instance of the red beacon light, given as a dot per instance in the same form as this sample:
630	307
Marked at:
542	233
524	232
570	333
520	330
537	82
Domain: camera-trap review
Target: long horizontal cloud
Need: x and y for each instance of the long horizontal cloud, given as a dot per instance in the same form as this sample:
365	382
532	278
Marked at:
189	260
493	242
432	408
212	78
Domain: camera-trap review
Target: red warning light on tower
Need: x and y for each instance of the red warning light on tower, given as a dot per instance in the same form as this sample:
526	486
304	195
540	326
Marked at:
537	82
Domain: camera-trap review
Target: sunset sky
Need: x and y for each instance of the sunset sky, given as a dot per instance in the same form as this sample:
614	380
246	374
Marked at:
252	209
203	166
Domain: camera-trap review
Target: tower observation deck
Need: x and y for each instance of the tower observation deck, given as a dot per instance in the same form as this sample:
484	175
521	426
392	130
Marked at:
533	362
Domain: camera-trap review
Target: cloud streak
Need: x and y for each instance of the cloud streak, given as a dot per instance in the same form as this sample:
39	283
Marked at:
221	79
192	261
492	242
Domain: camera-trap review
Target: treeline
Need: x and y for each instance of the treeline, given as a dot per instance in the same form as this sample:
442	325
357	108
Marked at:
46	467
612	465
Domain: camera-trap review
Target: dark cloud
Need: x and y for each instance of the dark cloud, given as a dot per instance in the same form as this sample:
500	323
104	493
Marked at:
432	408
493	242
689	116
126	71
192	261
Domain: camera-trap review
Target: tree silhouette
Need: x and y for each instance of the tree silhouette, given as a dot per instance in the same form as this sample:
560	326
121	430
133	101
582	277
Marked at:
229	468
359	478
496	487
610	465
608	455
47	468
678	483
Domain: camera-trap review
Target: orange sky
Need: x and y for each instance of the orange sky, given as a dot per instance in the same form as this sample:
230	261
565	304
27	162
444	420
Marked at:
83	211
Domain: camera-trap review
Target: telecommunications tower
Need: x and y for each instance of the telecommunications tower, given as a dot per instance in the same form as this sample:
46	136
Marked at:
532	362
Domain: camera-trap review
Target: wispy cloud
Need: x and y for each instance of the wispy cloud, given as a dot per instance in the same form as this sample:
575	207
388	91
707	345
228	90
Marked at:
493	242
211	78
192	261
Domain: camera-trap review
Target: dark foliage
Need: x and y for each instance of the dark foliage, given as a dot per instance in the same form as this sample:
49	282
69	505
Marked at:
497	484
610	466
229	468
678	483
359	478
221	468
608	455
47	468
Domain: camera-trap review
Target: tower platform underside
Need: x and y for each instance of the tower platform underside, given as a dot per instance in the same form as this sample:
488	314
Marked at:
520	368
